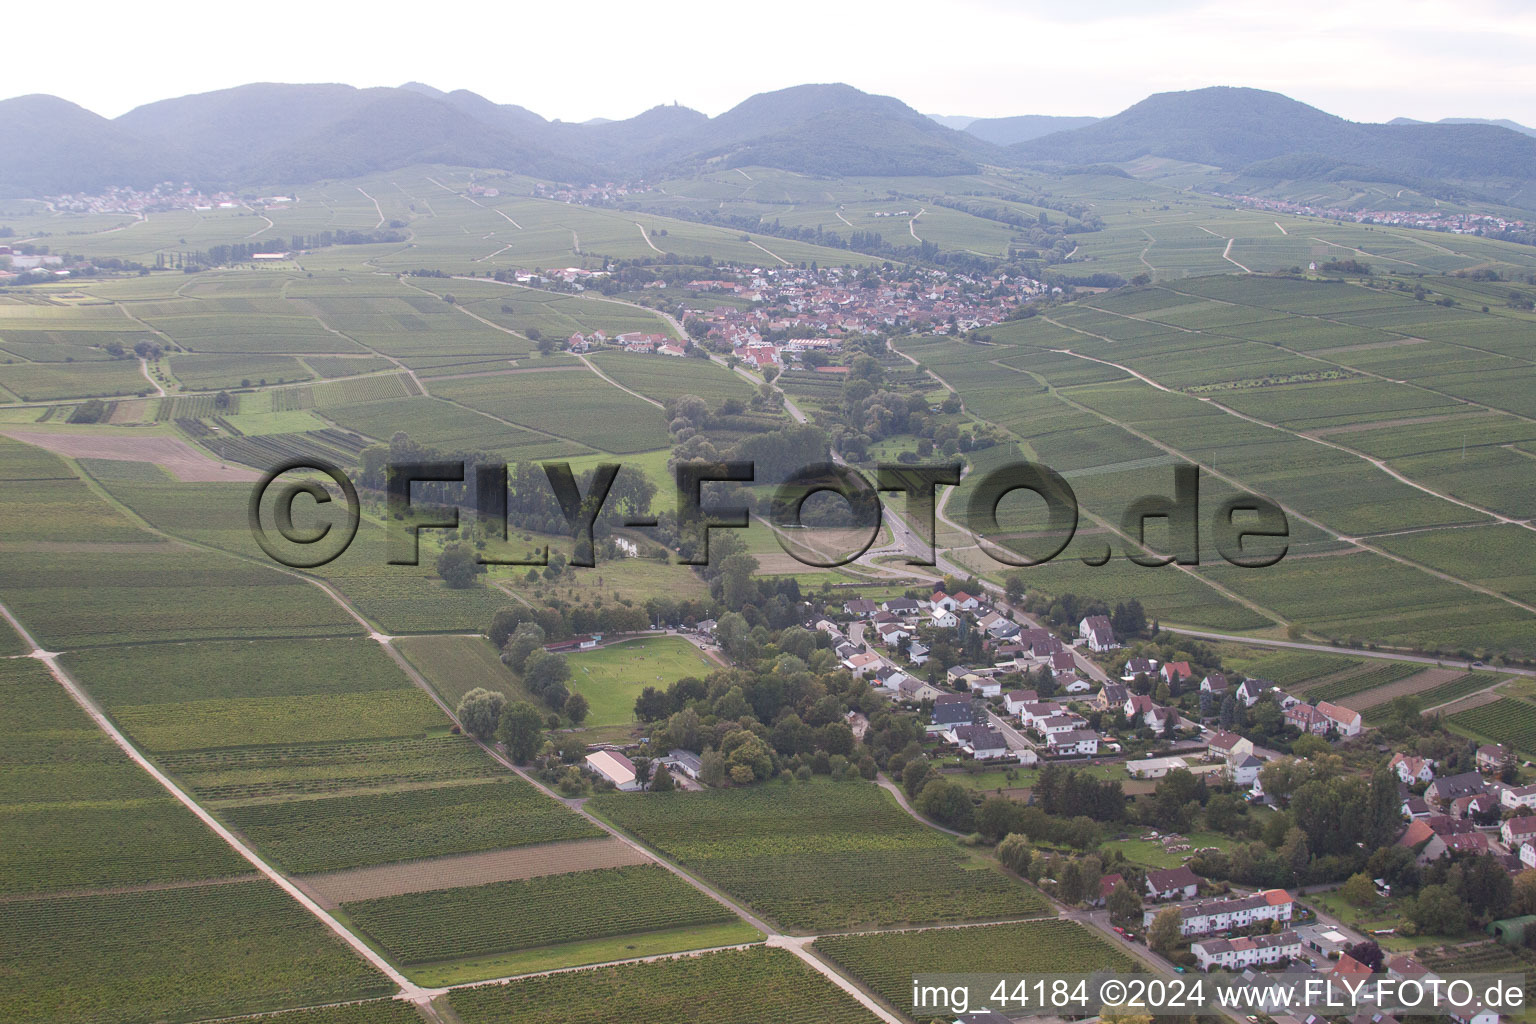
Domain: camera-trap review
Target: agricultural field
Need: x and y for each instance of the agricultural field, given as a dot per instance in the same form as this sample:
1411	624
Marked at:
572	403
483	920
75	812
661	378
611	677
71	599
1356	682
285	769
728	987
885	962
232	371
821	856
330	833
1508	720
123	957
39	382
454	665
42	499
1288	668
373	1011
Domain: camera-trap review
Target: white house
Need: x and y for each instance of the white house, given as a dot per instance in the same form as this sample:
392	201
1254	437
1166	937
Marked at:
941	601
1346	720
1245	951
1098	632
965	602
942	618
1515	831
1154	767
614	767
1412	769
1217	917
1014	700
862	664
982	686
1244	770
1518	797
1249	691
1073	741
1057	723
1214	683
1172	884
1528	855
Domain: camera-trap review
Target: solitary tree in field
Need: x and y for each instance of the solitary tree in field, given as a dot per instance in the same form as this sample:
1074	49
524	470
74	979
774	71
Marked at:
577	708
456	565
479	711
520	730
661	781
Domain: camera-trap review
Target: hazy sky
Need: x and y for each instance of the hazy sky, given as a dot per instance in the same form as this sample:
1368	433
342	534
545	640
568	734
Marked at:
1367	60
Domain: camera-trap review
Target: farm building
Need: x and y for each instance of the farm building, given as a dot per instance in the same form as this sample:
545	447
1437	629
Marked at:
616	768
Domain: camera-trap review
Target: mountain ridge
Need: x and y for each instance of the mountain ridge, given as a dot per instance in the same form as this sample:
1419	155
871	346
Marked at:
267	133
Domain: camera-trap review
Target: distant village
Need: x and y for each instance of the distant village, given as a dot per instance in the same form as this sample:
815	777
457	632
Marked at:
780	316
1427	220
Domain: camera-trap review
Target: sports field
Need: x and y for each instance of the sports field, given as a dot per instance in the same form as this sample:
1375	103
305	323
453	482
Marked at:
612	676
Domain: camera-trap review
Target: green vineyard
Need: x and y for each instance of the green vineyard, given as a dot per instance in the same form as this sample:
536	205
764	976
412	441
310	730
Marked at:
886	962
749	986
450	924
1506	720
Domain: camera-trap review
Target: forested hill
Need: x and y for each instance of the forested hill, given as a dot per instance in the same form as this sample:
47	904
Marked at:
1266	134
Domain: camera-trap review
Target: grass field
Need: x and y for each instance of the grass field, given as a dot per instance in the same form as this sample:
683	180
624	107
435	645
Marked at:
821	856
886	962
612	677
730	987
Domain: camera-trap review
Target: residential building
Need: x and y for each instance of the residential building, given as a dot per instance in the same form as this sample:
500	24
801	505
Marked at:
1172	884
1111	695
956	712
1214	683
1138	667
1154	767
1245	951
1412	769
685	761
1216	917
1076	742
1442	792
1515	831
1225	746
1347	721
1098	632
1249	691
1014	700
1244	770
1491	756
1175	671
